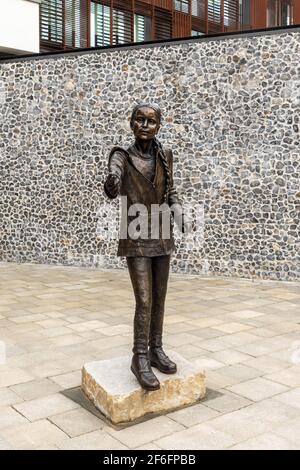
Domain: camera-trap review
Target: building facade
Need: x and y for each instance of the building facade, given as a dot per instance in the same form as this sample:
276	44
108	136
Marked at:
32	26
71	24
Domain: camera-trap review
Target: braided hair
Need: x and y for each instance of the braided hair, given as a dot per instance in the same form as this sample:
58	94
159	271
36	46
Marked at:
157	145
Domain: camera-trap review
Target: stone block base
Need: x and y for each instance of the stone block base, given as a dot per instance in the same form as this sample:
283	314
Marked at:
114	390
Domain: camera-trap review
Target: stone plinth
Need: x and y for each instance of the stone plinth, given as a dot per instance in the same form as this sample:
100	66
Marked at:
114	390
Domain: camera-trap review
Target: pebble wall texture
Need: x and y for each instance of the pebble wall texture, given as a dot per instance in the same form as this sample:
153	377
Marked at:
231	115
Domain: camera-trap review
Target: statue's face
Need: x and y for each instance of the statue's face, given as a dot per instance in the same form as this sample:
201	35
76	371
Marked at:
145	124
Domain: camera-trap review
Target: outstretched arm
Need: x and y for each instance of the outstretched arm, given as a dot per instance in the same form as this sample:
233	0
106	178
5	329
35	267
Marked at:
116	165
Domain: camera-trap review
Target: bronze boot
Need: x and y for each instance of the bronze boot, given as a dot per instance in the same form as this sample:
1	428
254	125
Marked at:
161	361
157	356
140	366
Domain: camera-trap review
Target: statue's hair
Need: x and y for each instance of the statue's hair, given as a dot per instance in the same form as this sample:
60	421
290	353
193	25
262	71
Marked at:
157	145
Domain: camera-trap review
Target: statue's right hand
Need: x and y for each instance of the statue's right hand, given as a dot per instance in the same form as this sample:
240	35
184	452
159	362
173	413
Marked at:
113	184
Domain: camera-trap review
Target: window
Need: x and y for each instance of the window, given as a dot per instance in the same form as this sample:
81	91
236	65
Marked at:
122	27
72	23
119	27
52	21
100	25
227	12
272	13
214	11
142	28
285	14
64	23
245	12
182	5
278	13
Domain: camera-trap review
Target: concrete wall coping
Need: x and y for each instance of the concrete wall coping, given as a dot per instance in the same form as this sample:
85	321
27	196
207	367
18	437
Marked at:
149	44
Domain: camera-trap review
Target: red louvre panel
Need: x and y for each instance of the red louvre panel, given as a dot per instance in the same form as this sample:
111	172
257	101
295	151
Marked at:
199	24
162	24
199	8
122	26
166	4
85	23
199	15
123	5
102	2
296	12
259	13
231	15
215	13
142	8
181	25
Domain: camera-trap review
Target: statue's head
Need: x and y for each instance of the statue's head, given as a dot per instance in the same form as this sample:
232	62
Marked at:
145	121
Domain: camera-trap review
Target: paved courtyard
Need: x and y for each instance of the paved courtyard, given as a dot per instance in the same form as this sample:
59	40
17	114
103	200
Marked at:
245	334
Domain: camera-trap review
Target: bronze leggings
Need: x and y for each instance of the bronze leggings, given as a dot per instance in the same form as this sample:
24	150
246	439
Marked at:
149	278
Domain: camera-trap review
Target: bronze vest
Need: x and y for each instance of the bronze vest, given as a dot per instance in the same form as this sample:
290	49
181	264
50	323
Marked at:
153	222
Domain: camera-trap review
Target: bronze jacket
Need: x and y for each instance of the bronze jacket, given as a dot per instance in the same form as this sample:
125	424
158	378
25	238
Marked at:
152	240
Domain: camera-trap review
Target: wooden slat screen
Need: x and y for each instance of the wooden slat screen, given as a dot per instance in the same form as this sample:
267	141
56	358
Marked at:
142	8
214	16
223	15
162	24
231	15
76	24
85	23
296	12
52	24
72	24
259	13
64	24
181	25
122	26
198	8
199	17
166	4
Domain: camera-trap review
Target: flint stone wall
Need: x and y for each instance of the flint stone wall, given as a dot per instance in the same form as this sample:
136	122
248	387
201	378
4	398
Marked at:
231	115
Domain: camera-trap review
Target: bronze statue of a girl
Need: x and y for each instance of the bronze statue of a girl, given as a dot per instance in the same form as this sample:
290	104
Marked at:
143	175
